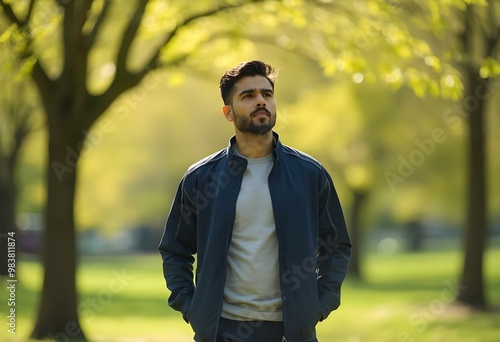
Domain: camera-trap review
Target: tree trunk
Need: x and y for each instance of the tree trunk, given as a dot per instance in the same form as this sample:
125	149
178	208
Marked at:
7	211
471	289
356	233
58	314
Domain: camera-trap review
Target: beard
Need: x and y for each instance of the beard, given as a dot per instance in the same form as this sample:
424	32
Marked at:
249	125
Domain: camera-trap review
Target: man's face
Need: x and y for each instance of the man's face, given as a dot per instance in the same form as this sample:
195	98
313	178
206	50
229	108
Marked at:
253	108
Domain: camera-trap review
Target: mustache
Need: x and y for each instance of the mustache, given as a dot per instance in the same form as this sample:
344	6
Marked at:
263	109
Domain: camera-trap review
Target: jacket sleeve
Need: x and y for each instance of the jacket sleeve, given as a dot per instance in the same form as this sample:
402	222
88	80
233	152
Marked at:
177	248
334	248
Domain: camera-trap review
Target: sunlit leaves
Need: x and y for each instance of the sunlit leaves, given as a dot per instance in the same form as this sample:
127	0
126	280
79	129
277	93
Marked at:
160	17
446	85
375	39
16	40
26	66
452	84
93	15
358	176
433	62
186	42
393	76
45	21
490	68
474	2
36	39
7	34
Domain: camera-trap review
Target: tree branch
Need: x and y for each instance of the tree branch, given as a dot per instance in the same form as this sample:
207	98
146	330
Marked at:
97	26
182	58
84	12
68	34
74	20
480	22
492	18
38	74
153	61
128	38
18	112
44	84
467	32
10	14
494	37
21	131
124	79
30	11
74	74
495	45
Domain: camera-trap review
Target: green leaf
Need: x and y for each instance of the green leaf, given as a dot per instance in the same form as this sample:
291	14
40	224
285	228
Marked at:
8	33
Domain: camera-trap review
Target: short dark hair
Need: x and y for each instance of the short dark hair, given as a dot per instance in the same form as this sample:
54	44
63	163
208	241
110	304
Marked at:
252	68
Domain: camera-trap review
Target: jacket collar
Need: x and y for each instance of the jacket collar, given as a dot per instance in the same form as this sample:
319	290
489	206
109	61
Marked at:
277	150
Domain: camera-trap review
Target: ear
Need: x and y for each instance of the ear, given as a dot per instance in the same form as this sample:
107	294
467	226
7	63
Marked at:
227	110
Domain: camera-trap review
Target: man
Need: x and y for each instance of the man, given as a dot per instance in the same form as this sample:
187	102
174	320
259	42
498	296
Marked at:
266	226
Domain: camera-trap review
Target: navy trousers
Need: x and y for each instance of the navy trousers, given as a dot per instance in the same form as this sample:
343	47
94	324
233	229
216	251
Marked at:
250	331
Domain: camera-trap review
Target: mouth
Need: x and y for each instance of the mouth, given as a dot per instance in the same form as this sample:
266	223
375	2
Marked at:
261	113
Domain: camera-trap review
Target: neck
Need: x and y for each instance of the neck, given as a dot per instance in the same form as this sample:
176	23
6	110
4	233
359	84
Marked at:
254	146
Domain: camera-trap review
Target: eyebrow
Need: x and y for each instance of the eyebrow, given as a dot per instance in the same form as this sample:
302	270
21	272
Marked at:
254	90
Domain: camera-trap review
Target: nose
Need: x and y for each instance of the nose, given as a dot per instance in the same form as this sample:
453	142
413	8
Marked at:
261	101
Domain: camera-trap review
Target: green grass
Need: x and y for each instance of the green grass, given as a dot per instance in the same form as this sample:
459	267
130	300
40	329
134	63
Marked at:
405	298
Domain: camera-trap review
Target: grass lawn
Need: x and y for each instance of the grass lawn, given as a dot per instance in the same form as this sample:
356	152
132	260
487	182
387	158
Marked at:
405	298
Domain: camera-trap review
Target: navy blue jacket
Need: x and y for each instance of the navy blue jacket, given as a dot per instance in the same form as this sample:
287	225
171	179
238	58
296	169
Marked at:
314	245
